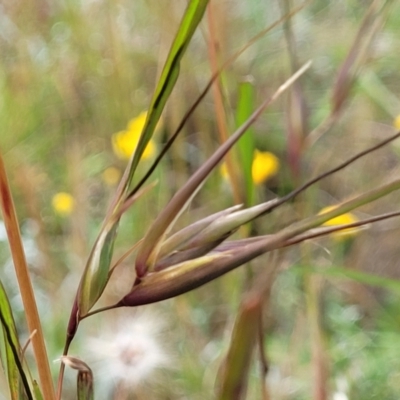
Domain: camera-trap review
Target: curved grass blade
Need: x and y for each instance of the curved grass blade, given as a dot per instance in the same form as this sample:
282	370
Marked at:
248	330
97	269
36	391
358	276
169	75
17	379
146	254
235	368
96	274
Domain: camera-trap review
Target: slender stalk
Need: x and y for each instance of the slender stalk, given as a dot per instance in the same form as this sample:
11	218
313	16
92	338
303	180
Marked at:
220	113
25	285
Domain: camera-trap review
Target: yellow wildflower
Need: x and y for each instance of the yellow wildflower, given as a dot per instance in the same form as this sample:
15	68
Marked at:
265	165
396	122
224	171
343	219
125	142
63	203
111	176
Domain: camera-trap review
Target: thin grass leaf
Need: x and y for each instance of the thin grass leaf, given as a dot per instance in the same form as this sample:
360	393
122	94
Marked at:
357	276
97	270
347	73
17	380
246	142
96	274
297	108
341	166
233	377
147	254
169	75
219	101
36	390
374	87
248	330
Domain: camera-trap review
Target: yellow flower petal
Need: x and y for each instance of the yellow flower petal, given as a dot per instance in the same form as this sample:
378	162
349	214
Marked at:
136	125
343	219
265	165
63	203
223	169
111	176
396	122
125	142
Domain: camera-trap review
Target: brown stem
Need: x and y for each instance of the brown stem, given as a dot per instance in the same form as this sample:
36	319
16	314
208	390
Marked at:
25	285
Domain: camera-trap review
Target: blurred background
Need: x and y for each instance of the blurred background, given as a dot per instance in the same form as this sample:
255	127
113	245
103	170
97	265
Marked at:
75	78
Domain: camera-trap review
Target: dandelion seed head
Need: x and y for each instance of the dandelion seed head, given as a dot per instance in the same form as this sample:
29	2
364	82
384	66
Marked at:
129	353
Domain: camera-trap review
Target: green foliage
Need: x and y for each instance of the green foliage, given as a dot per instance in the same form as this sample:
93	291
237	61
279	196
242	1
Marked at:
17	380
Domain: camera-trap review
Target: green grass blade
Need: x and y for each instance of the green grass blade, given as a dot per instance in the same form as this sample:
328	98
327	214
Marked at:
17	380
235	369
192	17
359	276
96	274
246	142
36	391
